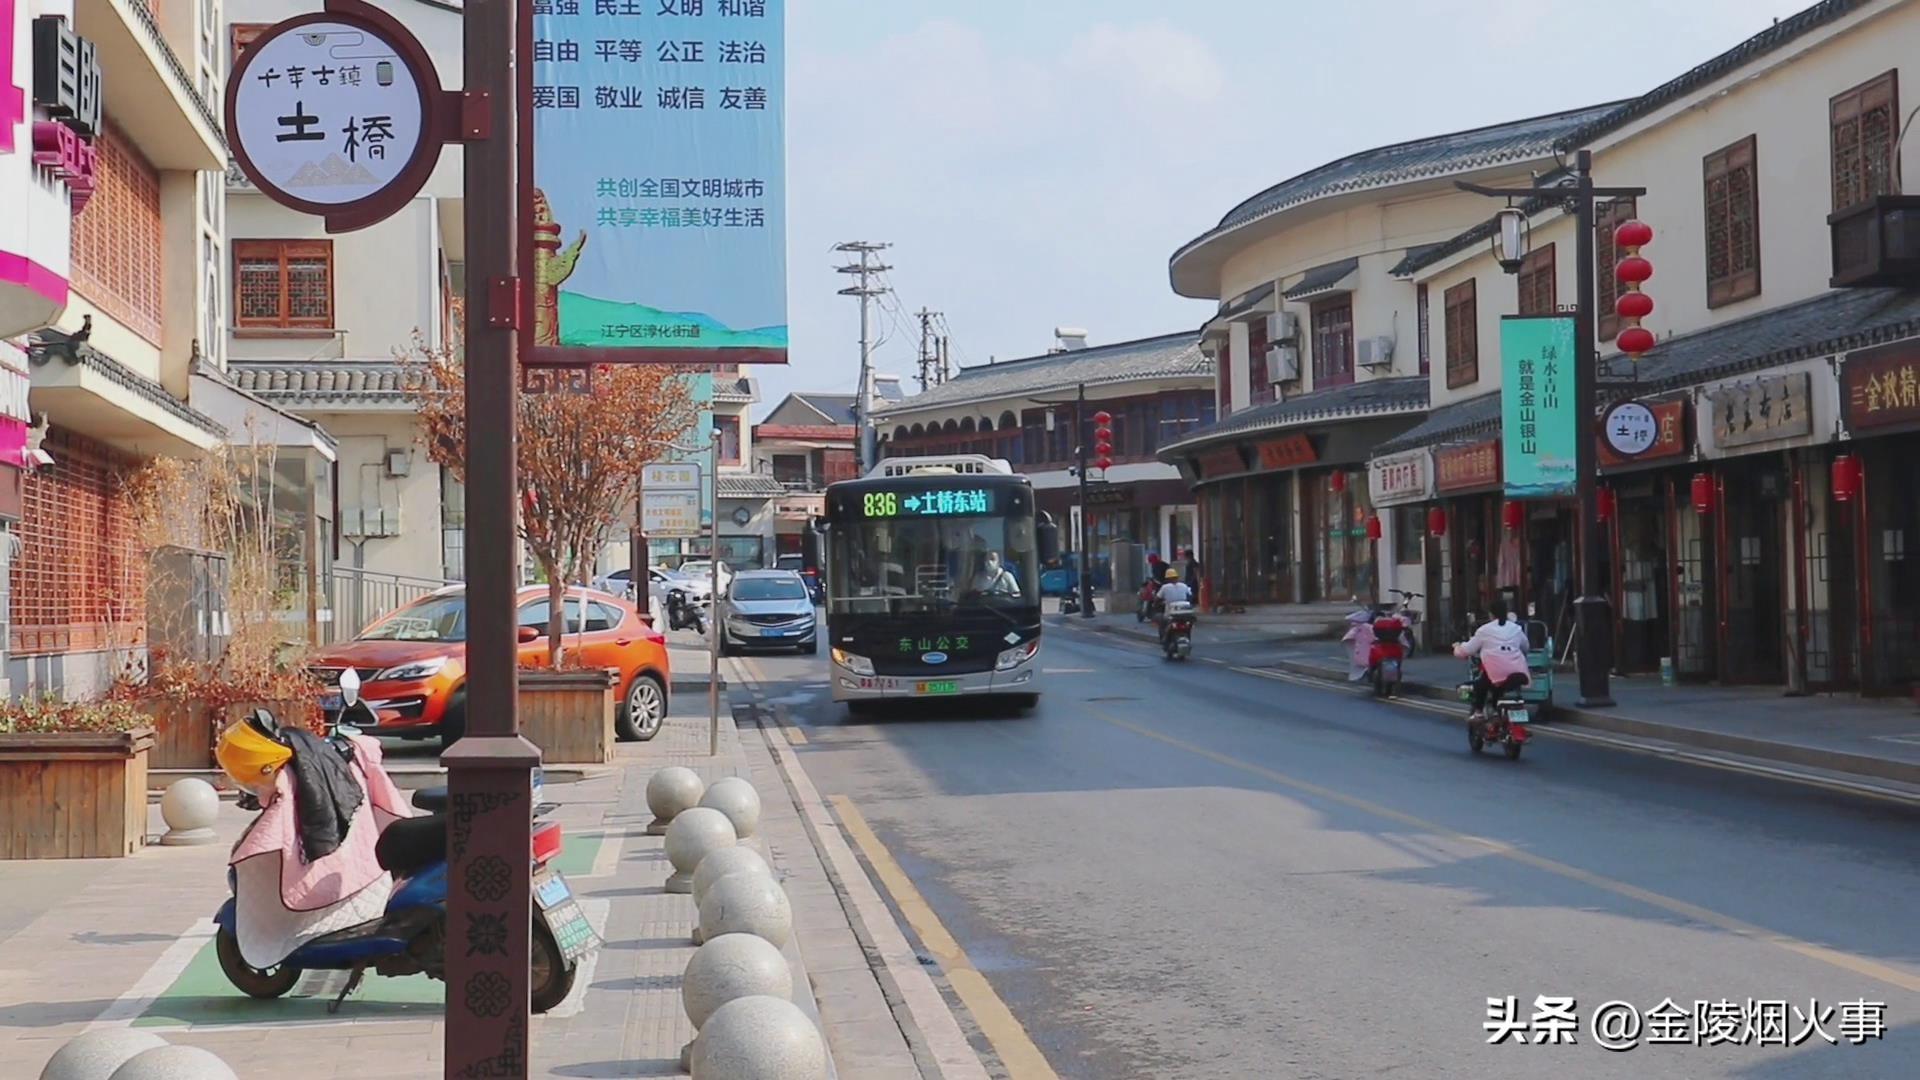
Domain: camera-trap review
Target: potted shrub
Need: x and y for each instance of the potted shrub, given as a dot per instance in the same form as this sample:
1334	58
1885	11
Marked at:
73	779
189	704
568	713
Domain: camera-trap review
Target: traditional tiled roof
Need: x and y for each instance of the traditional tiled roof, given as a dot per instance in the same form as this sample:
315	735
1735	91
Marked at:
1474	418
1150	358
804	432
741	388
310	383
1419	259
1322	278
1435	155
747	486
836	407
48	344
1369	397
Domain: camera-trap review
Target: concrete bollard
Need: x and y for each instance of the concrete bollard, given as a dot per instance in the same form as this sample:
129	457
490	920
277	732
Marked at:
695	834
670	791
175	1063
759	1038
96	1054
747	904
189	808
736	798
725	863
732	966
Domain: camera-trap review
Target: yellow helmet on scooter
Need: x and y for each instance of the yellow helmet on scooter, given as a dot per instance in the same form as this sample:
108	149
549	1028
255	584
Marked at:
250	757
1173	573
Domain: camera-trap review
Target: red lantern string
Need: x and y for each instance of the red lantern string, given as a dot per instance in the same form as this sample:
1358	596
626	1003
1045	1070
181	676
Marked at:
1633	304
1514	515
1437	521
1373	527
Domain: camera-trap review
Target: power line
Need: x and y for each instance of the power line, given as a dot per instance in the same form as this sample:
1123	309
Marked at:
866	269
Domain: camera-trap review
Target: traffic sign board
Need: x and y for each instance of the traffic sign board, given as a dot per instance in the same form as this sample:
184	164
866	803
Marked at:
670	476
670	514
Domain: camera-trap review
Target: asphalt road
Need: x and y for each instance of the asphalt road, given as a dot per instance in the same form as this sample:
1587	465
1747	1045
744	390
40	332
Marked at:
1186	871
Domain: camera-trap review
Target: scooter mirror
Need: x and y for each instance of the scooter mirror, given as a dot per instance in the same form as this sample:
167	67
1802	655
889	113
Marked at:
350	686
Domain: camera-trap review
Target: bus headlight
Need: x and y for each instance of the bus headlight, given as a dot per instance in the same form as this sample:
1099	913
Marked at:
859	665
1019	654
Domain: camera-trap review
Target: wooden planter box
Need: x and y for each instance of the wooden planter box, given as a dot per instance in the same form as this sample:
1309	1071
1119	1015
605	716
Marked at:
73	796
569	715
184	734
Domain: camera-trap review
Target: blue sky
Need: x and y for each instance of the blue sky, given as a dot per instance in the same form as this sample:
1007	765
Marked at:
1035	164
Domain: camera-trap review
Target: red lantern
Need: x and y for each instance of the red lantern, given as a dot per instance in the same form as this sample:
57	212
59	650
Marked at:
1337	481
1702	493
1604	504
1103	439
1633	234
1437	521
1373	526
1633	270
1103	463
1847	474
1514	515
1633	305
1103	418
1635	340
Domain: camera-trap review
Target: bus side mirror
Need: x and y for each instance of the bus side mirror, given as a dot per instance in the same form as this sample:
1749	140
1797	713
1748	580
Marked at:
1047	538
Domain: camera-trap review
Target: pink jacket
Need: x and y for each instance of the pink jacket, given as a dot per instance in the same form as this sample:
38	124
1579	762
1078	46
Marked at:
1501	647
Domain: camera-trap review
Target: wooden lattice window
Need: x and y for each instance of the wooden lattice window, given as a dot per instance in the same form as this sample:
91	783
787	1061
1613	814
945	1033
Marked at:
1463	335
1426	335
1733	223
79	583
1865	126
117	239
1537	291
1607	216
1259	378
1333	342
283	284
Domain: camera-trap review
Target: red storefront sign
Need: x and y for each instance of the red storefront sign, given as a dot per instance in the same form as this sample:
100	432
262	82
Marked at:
1222	463
1287	453
1463	468
1881	387
1671	416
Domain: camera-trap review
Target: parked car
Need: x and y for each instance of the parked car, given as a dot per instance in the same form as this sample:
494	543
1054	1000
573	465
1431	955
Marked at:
412	662
797	563
768	609
702	570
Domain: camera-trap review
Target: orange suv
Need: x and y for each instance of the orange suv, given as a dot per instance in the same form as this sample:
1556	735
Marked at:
413	671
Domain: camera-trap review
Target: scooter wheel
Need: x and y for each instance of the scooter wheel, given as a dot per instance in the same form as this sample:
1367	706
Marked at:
1513	750
551	977
1474	741
249	980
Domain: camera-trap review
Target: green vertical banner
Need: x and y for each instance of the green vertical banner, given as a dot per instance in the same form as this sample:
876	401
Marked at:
1538	425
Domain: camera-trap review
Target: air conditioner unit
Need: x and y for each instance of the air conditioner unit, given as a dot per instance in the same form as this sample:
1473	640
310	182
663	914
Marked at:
1282	326
1376	352
1283	364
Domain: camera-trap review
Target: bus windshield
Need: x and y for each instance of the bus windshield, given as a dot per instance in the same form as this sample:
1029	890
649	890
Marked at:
904	565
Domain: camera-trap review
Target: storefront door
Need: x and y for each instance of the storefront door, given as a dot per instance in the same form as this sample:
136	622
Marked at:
1640	531
1272	550
1696	585
1832	585
1893	516
1754	615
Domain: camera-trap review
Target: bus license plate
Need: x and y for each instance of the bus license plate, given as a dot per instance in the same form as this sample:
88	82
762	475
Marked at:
943	686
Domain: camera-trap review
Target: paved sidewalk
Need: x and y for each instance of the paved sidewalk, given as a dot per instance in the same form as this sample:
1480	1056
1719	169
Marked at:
1842	734
128	942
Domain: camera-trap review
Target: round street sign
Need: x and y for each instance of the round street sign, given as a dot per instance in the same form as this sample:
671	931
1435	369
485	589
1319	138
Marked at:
334	113
1630	428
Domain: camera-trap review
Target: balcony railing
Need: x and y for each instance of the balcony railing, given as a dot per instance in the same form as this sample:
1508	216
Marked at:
355	598
143	15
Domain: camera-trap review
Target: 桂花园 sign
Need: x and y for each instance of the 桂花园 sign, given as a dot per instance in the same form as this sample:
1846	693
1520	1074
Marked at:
659	210
1464	468
670	514
1629	428
1537	417
336	113
1774	407
1400	478
1881	387
1669	435
670	476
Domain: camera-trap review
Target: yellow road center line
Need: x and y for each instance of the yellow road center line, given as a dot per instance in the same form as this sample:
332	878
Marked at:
1859	965
1010	1040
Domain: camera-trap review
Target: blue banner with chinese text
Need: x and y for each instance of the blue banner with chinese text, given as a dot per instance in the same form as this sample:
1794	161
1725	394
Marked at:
1537	415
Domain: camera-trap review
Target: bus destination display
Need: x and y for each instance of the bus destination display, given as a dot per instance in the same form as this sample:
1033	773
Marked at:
926	503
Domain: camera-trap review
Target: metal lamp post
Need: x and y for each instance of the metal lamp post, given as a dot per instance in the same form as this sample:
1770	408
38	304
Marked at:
1594	627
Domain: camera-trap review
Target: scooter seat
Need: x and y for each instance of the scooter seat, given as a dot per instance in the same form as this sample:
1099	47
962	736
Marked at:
431	799
410	845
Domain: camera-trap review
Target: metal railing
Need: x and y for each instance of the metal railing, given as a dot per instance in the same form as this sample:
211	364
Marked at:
355	598
143	15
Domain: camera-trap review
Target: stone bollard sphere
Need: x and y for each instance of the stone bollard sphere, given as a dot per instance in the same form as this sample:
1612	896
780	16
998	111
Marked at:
747	904
759	1038
96	1054
695	834
733	966
175	1063
670	791
736	798
189	808
725	863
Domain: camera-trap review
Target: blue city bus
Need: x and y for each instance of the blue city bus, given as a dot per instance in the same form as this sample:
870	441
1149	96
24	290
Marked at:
933	582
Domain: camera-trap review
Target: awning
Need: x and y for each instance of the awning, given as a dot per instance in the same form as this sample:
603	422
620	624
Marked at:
1323	279
82	389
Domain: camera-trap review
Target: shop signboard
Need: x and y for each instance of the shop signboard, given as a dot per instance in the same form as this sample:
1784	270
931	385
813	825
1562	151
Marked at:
1537	415
1105	494
1881	387
1761	410
1222	462
1400	478
1287	453
1669	433
1466	468
676	254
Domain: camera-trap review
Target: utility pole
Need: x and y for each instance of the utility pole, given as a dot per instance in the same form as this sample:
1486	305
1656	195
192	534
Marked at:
1086	546
931	363
865	269
946	367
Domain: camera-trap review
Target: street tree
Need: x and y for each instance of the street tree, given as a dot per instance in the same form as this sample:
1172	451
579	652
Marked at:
580	455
